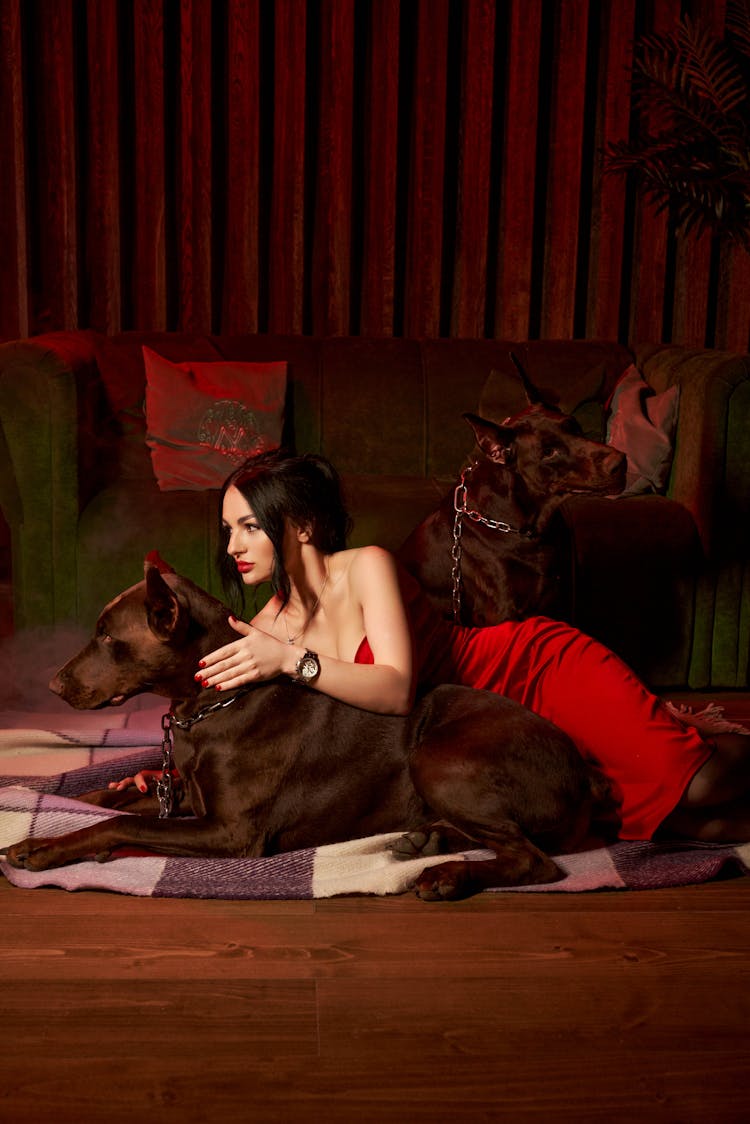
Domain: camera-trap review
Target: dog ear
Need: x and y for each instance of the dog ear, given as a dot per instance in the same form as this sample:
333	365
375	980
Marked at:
495	441
167	617
533	395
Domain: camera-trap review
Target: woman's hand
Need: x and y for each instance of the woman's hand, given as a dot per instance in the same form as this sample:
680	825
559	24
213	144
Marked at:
255	657
140	781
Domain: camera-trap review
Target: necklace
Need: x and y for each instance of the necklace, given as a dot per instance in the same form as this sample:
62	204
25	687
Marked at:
298	635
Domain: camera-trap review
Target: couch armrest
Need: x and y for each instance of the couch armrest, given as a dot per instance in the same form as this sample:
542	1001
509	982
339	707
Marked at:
48	389
711	469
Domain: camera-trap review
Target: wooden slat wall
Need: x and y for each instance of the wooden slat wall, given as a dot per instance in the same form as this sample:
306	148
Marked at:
332	228
14	274
147	272
239	239
607	238
377	167
103	228
518	181
286	265
380	171
648	309
194	188
474	171
425	219
54	191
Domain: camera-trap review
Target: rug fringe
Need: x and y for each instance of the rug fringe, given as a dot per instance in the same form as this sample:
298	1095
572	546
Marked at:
710	720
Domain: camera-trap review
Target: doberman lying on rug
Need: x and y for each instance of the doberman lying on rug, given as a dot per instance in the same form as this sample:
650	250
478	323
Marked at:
279	766
489	552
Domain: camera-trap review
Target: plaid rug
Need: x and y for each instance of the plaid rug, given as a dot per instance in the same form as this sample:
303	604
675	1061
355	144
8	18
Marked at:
35	804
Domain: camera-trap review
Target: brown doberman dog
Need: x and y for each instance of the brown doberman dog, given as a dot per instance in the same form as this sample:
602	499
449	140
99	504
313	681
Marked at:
279	766
490	552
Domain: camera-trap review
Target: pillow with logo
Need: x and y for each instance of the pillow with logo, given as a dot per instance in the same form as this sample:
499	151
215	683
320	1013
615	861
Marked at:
205	419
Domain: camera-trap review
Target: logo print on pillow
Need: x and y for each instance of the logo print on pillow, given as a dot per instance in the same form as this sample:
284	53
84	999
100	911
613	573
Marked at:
231	429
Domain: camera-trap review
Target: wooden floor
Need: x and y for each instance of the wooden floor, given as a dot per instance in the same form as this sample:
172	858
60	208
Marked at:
631	1007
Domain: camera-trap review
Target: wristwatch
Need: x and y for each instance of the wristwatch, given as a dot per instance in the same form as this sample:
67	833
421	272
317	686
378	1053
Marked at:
308	668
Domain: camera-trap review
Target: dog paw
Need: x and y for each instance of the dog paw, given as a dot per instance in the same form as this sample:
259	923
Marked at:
31	854
417	844
447	882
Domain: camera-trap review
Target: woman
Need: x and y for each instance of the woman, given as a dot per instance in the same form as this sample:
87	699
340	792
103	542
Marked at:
351	624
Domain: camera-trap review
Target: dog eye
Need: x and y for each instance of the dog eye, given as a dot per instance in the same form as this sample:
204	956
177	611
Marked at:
550	453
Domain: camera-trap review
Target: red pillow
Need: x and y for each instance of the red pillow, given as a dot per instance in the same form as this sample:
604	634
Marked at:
205	419
642	425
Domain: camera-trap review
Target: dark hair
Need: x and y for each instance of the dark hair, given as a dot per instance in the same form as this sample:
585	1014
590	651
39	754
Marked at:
278	486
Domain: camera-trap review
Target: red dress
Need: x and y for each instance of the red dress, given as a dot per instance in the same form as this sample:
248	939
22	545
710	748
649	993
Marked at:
577	683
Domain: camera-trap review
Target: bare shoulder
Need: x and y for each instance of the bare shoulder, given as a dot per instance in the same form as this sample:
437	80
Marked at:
362	565
370	567
370	562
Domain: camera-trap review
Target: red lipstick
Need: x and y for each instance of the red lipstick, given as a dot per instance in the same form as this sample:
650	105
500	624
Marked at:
245	567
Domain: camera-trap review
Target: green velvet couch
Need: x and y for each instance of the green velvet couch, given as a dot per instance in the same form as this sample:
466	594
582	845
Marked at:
664	580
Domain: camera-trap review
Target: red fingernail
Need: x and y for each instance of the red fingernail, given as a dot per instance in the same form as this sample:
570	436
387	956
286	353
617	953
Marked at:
142	788
198	676
201	663
218	686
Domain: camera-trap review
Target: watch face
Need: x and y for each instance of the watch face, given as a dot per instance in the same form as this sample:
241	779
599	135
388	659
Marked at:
308	668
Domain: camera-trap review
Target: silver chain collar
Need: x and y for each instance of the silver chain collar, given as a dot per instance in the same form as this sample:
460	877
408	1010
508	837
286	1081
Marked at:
460	510
165	783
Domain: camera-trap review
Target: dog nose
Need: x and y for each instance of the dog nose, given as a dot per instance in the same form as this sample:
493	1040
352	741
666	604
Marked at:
56	684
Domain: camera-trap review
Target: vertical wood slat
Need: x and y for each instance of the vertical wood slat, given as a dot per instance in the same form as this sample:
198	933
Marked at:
380	171
14	280
57	236
564	172
242	171
693	268
103	225
608	213
648	276
690	308
470	273
733	304
518	175
425	205
194	187
331	269
286	268
148	275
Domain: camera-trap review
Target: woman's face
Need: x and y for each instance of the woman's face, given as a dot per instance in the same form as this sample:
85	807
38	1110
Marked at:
248	545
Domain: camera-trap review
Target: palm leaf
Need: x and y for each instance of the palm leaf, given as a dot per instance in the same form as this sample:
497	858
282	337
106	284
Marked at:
664	90
738	25
709	68
691	148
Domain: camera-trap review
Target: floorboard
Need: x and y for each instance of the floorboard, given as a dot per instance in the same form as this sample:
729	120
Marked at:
509	1007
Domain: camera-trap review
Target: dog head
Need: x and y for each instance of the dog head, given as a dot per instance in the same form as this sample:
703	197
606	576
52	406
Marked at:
544	459
149	638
